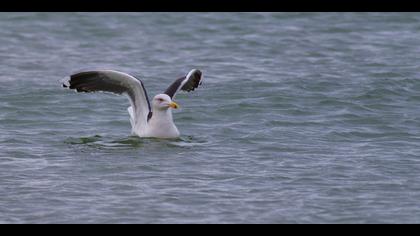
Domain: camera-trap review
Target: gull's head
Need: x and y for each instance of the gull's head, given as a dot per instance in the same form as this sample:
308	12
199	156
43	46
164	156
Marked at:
163	102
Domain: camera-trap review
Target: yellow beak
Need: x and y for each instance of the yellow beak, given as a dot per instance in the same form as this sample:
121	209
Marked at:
174	105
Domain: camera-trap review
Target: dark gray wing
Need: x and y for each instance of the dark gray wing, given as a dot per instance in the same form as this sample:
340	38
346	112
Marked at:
186	83
118	83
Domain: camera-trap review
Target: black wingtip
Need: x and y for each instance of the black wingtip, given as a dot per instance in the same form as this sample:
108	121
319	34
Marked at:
66	83
195	73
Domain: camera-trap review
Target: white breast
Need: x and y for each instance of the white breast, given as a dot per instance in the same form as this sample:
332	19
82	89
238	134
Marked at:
161	125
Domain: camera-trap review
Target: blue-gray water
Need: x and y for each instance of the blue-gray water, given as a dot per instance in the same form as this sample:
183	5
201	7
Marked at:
302	118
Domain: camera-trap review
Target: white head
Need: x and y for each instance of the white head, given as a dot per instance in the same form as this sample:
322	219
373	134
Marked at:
163	102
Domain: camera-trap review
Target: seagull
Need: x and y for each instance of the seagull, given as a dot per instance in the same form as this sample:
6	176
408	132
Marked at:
152	120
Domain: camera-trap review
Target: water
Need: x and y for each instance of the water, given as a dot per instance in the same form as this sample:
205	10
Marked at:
302	118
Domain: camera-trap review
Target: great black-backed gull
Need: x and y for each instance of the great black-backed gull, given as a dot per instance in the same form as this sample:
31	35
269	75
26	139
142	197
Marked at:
147	120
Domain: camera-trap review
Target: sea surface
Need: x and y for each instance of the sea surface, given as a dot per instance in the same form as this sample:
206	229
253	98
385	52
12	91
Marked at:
301	118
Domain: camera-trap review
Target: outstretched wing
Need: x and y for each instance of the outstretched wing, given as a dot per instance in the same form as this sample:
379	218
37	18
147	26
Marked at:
118	83
186	83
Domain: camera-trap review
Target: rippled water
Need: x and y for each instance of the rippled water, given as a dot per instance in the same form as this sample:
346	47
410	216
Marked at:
302	118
